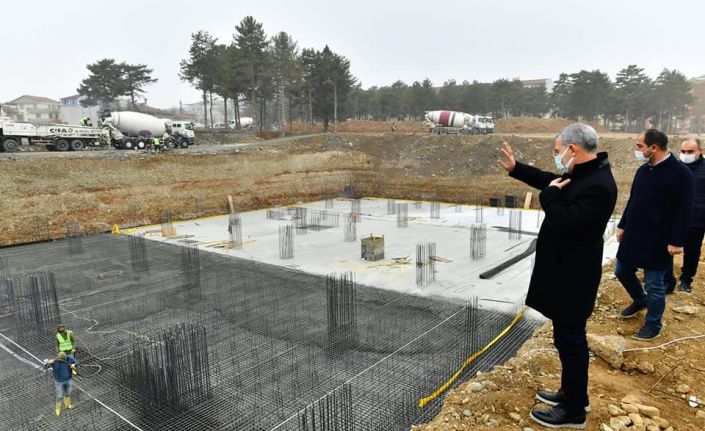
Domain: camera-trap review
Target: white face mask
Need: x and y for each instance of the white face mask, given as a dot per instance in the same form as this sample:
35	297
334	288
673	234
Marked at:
558	159
688	158
640	156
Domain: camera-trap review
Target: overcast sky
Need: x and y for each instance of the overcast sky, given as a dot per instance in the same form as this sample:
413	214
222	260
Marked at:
46	44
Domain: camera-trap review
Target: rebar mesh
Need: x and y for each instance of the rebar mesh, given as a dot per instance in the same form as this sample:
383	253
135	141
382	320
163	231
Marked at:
73	235
514	231
191	268
350	227
33	301
435	210
235	231
425	263
402	215
286	242
172	372
269	354
340	299
167	224
391	207
479	214
138	253
478	241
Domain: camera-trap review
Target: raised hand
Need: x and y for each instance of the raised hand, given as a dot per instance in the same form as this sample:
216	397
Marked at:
507	161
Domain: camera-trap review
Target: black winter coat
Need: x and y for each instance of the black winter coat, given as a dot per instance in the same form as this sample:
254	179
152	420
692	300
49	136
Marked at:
657	214
697	168
568	264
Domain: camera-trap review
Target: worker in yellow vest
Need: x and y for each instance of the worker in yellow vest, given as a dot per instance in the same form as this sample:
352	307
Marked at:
156	143
65	341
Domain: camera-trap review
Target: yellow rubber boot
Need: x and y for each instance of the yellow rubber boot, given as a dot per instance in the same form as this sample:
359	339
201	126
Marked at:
67	403
57	409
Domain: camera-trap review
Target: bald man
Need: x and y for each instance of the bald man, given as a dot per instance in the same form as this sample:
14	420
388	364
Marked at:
691	155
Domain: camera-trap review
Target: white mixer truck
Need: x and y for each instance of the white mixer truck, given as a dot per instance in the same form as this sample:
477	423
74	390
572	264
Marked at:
122	130
134	130
452	122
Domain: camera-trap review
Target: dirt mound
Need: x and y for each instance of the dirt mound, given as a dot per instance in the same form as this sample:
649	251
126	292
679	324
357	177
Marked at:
537	125
663	377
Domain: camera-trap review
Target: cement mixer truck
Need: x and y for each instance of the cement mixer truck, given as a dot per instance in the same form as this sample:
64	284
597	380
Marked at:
451	122
135	130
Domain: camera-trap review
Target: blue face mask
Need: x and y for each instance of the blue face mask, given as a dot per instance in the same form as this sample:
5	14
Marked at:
563	169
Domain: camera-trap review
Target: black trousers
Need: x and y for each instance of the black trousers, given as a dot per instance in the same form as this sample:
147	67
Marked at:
691	255
571	342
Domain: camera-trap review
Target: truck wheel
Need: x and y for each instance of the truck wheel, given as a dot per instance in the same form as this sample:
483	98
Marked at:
62	145
77	145
140	145
10	145
183	143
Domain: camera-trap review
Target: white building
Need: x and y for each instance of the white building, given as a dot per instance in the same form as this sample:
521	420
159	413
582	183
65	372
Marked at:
34	109
534	83
72	111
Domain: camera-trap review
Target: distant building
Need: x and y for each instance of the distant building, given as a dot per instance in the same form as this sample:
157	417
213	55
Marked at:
34	109
72	111
534	83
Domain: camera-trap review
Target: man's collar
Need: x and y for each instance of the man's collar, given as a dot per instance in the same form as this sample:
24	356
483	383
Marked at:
667	156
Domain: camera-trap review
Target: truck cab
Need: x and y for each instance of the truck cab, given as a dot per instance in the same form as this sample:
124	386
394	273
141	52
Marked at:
183	133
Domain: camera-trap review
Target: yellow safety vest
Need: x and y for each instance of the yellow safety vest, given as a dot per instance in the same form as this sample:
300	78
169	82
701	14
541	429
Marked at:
65	345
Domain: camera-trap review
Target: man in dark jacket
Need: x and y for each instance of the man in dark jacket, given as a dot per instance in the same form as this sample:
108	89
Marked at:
63	368
653	228
568	265
692	156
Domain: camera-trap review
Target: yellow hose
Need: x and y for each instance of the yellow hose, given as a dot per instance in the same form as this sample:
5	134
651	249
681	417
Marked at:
468	361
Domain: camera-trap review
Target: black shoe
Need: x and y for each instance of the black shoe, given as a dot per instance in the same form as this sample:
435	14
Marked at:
555	398
558	417
646	333
632	309
686	287
670	287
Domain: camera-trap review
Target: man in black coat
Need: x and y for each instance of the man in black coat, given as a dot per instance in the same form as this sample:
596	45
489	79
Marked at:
653	228
578	204
692	156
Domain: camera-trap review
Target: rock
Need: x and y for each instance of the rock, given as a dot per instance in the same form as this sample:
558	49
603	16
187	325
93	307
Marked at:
527	429
465	400
605	427
649	411
683	388
615	411
653	428
669	429
661	422
609	347
630	408
475	386
631	399
646	367
686	309
618	422
467	413
636	419
516	417
490	385
637	428
700	414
